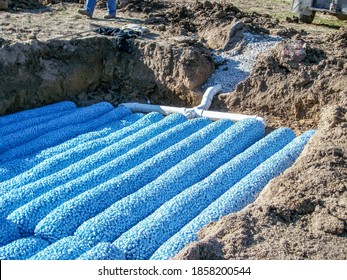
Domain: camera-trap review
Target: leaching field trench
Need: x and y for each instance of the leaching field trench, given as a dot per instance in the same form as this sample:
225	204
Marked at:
86	178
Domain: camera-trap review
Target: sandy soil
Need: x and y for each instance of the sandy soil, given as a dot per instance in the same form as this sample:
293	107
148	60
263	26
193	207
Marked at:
301	84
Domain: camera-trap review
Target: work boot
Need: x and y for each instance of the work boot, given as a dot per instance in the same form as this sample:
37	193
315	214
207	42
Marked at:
109	16
85	13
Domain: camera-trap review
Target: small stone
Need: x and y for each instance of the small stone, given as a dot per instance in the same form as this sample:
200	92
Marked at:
108	97
32	36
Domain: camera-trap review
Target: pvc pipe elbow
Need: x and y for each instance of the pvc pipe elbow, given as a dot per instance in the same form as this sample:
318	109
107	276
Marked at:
208	97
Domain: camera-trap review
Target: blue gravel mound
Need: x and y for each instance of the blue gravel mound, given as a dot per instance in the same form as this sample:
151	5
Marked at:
68	248
76	211
103	251
98	228
8	231
102	183
37	112
126	213
236	198
15	167
22	249
18	138
175	213
61	166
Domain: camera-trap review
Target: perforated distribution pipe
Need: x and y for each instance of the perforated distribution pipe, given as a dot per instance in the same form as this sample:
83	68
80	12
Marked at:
198	111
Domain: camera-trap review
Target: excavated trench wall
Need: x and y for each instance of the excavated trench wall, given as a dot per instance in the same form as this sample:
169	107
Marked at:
93	69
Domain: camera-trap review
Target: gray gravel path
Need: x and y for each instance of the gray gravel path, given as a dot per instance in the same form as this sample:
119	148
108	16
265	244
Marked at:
236	67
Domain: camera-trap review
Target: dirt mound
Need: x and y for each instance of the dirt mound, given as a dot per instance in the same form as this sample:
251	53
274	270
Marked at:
291	84
25	4
161	72
299	215
198	17
146	6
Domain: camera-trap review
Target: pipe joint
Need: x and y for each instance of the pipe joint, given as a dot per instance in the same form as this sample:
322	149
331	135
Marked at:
191	113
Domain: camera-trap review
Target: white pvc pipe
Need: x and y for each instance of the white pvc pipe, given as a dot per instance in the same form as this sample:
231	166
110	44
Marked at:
189	113
213	115
208	97
198	111
164	110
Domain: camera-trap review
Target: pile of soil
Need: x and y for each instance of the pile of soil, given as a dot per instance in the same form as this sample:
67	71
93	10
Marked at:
40	73
290	90
202	17
140	6
25	4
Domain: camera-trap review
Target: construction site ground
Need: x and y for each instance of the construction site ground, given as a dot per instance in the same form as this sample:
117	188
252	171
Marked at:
301	214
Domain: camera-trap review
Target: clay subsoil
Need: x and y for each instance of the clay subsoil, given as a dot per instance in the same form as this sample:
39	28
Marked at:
48	52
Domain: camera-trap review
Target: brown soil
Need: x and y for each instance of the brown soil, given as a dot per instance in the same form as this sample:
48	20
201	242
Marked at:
282	88
301	84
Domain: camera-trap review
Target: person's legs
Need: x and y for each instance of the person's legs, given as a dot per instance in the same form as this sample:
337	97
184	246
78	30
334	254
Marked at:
88	8
111	7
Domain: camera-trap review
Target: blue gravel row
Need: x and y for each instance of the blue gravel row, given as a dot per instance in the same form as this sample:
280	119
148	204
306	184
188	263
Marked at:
175	213
90	203
22	249
18	126
103	251
68	248
15	167
60	135
109	151
8	231
236	198
11	190
79	116
124	214
37	112
27	216
65	219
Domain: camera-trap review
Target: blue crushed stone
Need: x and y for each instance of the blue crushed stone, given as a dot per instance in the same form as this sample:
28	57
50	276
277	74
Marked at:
80	177
76	211
37	112
15	167
103	251
81	115
68	248
154	167
22	249
17	194
8	231
175	213
236	198
127	212
18	126
27	216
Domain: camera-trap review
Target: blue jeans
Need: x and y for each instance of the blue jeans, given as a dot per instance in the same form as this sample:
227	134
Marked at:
111	6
